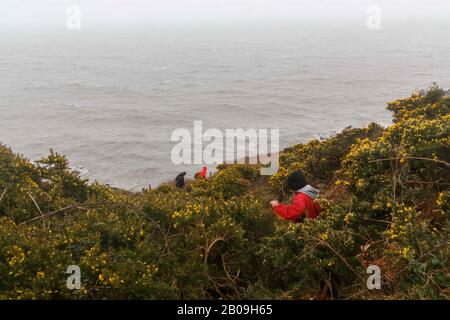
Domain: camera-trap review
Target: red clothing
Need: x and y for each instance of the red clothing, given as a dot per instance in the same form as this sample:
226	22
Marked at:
203	172
301	204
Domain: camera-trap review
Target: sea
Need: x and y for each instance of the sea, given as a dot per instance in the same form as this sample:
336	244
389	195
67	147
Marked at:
109	98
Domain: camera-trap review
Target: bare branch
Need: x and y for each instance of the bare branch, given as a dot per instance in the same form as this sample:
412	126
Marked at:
43	216
341	257
3	194
414	158
39	209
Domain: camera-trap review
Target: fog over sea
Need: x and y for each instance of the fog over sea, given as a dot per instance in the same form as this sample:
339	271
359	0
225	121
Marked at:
109	99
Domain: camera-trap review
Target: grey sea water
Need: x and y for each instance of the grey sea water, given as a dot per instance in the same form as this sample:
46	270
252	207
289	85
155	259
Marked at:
110	99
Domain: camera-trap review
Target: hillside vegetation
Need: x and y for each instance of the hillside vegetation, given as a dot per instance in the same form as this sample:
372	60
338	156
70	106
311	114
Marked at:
385	194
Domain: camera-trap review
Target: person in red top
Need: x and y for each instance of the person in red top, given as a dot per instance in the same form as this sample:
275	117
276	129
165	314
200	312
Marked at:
302	204
202	174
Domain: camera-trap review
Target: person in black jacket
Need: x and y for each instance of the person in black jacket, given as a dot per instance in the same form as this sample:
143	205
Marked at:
180	180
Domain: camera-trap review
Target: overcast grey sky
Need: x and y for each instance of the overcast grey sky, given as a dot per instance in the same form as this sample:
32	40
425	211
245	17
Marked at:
111	12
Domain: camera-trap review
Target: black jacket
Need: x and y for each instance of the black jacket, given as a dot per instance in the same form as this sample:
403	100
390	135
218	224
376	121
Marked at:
180	180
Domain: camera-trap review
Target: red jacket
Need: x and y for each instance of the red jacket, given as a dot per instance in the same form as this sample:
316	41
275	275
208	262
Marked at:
301	204
203	172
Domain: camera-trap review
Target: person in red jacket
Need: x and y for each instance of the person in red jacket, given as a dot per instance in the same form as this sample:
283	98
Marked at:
302	204
201	174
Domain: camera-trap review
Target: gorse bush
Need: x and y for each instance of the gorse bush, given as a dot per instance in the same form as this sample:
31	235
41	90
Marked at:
385	199
319	160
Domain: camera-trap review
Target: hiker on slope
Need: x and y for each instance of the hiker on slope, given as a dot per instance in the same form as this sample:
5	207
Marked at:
179	180
302	205
201	174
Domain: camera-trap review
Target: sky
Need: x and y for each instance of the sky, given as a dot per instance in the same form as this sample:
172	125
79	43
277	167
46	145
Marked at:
37	13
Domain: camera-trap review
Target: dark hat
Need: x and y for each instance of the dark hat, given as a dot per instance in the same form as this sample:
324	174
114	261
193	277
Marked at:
296	180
